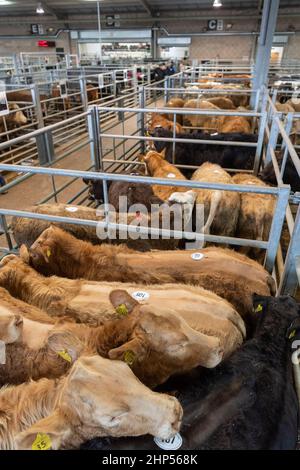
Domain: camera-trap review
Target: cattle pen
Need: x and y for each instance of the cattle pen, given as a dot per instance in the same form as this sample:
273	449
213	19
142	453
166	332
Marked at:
104	133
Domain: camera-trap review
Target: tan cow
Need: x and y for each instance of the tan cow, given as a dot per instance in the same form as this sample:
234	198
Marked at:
156	345
89	302
256	214
221	208
158	167
98	397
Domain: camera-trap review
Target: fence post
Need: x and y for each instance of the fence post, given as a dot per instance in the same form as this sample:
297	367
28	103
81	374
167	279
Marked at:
141	117
261	132
290	278
83	93
94	134
37	104
276	227
45	148
166	89
272	141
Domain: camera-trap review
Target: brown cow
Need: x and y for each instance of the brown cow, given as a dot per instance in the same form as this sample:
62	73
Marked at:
227	273
89	302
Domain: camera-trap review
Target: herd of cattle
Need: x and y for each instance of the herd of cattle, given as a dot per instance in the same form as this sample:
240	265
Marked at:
119	345
107	345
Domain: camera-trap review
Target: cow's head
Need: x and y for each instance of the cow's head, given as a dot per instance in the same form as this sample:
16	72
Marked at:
46	253
101	397
162	343
17	116
11	324
95	189
153	160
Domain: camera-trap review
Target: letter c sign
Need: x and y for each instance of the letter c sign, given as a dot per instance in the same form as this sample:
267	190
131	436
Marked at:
212	25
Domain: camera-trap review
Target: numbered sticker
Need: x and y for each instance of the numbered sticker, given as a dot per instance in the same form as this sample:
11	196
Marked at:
217	171
197	256
71	209
171	175
140	295
250	182
173	443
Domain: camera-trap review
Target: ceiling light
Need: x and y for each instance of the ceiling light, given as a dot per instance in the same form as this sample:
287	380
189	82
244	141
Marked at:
217	3
39	9
5	2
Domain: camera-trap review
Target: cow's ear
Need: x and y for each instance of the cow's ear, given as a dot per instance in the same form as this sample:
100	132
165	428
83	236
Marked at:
24	254
163	153
131	352
46	434
122	301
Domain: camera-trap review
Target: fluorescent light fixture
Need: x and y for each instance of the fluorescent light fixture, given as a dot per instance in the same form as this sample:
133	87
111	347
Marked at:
217	3
39	9
5	2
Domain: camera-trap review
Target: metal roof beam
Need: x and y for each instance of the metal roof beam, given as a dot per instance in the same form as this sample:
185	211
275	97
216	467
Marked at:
147	7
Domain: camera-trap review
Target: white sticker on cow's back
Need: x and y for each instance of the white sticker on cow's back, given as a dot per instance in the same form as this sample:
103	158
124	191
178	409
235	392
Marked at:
197	256
140	295
250	182
171	175
72	209
173	443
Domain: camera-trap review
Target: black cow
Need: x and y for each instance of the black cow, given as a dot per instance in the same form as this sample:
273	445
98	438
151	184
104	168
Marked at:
247	402
290	175
136	193
226	156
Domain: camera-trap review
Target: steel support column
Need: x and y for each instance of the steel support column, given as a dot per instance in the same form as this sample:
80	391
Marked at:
154	47
265	41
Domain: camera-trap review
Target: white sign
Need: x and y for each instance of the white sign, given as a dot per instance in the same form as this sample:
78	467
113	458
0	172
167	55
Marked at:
140	295
173	443
71	209
171	175
220	25
4	108
197	256
100	80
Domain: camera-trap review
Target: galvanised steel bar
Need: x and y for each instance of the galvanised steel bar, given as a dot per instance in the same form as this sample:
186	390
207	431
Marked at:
169	139
136	229
290	278
187	111
261	132
276	227
142	179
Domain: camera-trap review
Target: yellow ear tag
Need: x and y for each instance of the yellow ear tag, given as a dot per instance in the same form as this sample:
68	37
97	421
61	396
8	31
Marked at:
258	308
48	253
122	309
65	355
292	334
42	442
129	357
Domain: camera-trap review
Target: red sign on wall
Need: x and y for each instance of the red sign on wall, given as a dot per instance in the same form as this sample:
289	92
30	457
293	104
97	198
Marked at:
43	43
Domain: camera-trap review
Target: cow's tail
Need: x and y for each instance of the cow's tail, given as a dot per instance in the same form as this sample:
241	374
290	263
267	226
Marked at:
214	203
